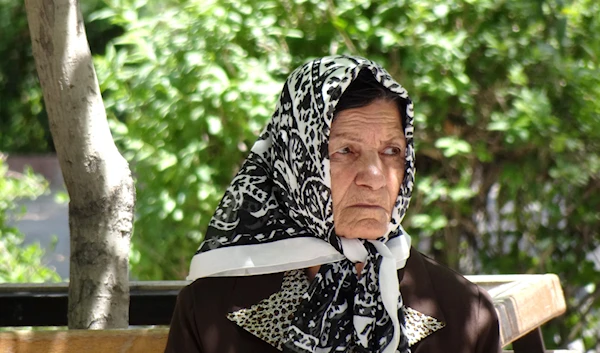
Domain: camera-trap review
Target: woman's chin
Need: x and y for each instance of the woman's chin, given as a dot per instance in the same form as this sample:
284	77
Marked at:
368	229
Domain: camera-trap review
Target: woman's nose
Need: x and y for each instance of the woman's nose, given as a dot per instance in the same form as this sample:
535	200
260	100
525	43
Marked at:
370	171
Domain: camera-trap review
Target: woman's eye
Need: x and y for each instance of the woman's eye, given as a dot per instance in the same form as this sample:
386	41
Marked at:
392	151
344	150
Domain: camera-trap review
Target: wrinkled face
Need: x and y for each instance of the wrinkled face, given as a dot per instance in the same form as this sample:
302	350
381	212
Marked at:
366	149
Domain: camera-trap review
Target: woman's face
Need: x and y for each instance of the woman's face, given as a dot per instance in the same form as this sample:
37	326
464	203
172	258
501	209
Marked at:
367	150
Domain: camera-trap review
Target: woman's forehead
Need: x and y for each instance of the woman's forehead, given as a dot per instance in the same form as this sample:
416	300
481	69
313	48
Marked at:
380	117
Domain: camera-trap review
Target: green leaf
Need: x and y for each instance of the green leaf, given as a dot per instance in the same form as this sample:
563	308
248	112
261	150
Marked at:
452	146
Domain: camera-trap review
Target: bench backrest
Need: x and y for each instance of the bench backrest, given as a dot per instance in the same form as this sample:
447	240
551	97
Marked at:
523	303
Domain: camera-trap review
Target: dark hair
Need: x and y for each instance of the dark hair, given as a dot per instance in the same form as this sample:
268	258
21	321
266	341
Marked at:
364	90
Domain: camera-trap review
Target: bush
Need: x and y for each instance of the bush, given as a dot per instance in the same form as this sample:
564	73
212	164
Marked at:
18	262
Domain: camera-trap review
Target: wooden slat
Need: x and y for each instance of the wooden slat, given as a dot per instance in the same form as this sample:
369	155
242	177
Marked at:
147	286
107	341
78	341
524	303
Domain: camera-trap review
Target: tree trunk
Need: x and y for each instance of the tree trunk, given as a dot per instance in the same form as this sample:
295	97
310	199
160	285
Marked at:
97	177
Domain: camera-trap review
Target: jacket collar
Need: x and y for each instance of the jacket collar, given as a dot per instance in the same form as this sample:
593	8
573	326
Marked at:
269	318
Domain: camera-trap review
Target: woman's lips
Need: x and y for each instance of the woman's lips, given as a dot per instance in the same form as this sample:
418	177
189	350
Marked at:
364	205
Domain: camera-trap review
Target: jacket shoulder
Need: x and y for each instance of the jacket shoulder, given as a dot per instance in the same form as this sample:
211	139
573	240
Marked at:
468	311
199	323
233	292
445	279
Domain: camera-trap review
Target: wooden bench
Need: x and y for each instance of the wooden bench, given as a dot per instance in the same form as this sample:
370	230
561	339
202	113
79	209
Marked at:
84	341
523	303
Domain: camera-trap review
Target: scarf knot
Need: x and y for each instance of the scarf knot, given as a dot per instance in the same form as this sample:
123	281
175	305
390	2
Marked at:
345	312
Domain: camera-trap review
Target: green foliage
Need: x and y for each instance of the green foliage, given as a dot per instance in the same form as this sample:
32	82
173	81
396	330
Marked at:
508	121
18	262
23	121
188	90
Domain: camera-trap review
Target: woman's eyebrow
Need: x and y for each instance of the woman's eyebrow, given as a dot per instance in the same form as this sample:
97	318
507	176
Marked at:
395	139
353	138
345	136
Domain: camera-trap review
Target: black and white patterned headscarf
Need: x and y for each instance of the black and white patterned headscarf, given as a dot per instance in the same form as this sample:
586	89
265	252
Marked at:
277	215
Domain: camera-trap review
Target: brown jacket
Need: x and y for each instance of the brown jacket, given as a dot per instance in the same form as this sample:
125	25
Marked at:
200	324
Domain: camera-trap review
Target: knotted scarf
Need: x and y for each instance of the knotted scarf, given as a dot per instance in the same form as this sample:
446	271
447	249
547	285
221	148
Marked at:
277	215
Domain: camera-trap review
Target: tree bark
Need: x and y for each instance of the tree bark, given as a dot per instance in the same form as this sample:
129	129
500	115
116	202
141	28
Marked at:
97	177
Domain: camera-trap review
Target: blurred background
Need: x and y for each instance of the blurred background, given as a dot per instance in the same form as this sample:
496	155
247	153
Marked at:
507	99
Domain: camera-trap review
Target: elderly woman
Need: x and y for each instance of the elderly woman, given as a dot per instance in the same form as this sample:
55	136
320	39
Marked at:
305	252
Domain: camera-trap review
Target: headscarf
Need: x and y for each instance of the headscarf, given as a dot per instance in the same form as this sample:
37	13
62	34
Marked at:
277	215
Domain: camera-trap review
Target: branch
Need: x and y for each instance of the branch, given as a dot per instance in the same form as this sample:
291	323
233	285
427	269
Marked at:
333	17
